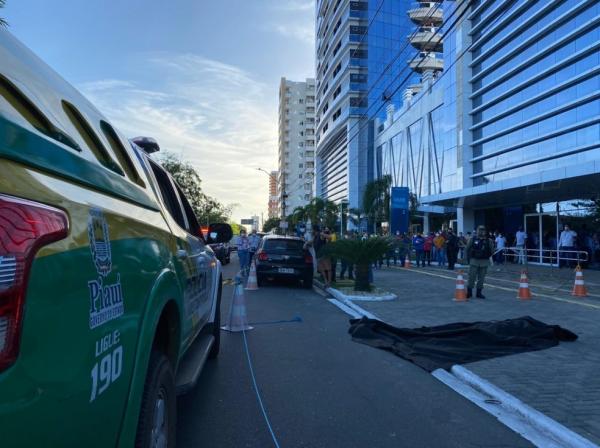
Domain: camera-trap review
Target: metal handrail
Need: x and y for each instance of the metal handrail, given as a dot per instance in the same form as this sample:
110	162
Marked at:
555	255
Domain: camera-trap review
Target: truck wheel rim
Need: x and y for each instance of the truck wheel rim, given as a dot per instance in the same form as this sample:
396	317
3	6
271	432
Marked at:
160	424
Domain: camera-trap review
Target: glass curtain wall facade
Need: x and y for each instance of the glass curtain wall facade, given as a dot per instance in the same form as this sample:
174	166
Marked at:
355	42
516	117
536	88
525	96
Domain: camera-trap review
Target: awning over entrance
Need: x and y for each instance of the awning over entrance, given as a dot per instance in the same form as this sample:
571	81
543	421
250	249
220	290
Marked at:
520	191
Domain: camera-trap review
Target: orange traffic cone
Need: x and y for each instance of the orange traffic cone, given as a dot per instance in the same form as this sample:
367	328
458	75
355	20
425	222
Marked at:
237	313
579	289
407	264
460	294
524	291
252	284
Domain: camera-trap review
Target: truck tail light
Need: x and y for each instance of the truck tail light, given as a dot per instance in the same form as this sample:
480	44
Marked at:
263	256
25	226
308	259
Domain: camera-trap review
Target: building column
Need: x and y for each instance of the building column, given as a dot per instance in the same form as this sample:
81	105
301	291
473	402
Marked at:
426	223
465	219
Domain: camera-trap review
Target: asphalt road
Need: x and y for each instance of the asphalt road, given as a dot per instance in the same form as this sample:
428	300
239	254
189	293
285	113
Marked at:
320	389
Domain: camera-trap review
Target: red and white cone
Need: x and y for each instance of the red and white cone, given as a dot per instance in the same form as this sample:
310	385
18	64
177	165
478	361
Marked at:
579	289
252	284
460	295
524	291
238	320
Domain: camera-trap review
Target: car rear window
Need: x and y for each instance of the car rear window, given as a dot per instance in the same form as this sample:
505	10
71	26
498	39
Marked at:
283	245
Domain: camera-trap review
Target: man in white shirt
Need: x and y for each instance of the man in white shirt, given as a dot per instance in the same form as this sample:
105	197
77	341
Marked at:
566	243
520	243
500	246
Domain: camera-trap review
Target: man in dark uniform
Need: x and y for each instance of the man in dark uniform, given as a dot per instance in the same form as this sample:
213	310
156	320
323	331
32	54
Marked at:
479	250
451	249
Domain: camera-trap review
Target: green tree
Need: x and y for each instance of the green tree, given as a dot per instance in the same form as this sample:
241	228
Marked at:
235	228
270	224
297	215
321	212
360	253
206	208
376	201
413	204
2	21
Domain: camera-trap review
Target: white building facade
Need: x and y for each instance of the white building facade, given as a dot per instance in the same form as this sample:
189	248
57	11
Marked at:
296	144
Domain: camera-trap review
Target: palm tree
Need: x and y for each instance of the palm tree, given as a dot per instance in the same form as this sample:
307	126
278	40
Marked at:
330	214
361	253
376	200
298	214
354	215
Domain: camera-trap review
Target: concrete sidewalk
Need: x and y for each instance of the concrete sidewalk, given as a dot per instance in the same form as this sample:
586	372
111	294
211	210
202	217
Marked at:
562	382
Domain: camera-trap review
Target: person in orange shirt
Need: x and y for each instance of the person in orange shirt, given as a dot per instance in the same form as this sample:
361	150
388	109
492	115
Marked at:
440	244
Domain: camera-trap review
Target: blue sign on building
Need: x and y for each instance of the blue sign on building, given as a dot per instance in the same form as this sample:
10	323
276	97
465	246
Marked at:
399	206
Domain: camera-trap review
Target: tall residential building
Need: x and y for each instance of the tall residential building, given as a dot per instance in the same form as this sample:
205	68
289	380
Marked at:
296	144
509	136
273	208
362	57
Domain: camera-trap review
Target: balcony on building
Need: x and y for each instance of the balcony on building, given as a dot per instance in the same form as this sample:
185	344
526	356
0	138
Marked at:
426	12
427	38
427	61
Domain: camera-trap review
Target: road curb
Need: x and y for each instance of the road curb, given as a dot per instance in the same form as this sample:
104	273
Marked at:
556	431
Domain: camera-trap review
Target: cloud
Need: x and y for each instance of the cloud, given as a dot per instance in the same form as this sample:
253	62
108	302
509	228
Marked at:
295	20
305	33
215	115
296	5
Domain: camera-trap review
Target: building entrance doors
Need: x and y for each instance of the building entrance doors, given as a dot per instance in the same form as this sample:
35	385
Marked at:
542	231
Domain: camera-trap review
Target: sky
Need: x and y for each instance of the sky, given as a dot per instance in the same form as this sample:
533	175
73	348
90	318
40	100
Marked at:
200	76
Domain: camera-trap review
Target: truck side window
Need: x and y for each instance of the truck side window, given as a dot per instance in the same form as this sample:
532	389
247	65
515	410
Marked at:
121	153
16	103
90	138
169	195
194	226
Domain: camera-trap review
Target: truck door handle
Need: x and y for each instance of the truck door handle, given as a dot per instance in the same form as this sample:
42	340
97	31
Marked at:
181	253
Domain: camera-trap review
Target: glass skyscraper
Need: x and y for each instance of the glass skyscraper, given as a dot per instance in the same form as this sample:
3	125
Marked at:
515	135
362	53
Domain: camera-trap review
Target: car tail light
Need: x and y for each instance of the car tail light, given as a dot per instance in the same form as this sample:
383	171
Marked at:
308	259
24	227
262	256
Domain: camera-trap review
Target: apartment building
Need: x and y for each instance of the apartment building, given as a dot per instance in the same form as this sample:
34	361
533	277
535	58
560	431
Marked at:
296	144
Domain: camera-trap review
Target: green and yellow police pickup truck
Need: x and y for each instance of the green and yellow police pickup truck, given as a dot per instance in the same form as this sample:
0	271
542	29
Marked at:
109	294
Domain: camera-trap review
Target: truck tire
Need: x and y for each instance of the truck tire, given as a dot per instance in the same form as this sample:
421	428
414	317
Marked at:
216	331
158	414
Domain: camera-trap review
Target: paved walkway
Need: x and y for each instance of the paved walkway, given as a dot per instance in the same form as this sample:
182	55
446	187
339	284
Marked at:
562	382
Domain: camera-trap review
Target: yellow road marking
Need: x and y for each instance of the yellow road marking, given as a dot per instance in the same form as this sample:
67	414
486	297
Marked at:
558	299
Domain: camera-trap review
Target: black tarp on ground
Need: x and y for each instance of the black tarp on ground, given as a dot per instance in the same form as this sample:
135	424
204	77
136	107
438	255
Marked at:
459	343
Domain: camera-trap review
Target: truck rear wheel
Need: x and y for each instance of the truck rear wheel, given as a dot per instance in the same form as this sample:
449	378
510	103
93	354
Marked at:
158	414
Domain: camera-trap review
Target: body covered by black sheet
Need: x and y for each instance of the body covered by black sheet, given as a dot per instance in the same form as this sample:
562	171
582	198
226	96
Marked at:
459	343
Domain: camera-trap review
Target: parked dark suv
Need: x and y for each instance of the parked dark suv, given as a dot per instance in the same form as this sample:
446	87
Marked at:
283	257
